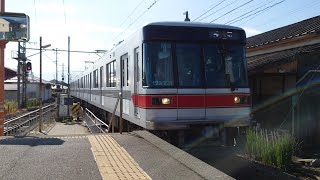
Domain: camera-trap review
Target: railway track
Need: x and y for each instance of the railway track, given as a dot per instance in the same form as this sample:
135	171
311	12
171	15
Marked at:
23	123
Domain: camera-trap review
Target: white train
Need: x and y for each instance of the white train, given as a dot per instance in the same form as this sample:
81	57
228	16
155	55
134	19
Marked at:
173	75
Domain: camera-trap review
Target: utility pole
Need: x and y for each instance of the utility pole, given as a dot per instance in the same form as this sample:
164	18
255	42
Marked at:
40	85
56	67
40	89
68	75
62	76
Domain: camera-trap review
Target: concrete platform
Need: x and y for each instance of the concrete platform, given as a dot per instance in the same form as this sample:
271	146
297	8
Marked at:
136	155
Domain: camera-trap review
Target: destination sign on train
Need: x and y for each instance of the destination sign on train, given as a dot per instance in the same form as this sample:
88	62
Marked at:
231	35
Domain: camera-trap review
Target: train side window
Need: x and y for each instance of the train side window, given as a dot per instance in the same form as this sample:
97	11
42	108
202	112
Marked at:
101	77
111	74
90	79
95	79
127	71
114	74
107	75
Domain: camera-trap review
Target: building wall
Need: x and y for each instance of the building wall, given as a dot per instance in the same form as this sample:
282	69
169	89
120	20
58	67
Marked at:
33	91
10	95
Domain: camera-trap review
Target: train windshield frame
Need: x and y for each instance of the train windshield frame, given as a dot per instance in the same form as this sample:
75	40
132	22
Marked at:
194	65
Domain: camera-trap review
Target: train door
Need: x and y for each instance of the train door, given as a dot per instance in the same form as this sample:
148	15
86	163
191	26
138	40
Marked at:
136	81
126	94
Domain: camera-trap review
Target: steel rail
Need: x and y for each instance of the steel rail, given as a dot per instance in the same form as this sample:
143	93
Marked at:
30	119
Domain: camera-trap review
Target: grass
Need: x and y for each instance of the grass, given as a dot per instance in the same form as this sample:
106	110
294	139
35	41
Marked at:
10	107
32	103
270	147
69	121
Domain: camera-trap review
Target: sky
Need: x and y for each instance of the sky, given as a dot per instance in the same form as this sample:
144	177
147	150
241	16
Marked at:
99	24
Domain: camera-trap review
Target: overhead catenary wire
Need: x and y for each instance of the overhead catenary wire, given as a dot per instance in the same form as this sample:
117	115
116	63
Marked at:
144	12
218	10
251	11
232	10
260	11
210	9
64	12
35	10
256	15
63	50
294	11
132	12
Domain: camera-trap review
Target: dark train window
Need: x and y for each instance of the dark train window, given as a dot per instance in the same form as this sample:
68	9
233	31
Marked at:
111	74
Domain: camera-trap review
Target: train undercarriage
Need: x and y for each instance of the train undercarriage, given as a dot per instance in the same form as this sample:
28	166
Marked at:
193	135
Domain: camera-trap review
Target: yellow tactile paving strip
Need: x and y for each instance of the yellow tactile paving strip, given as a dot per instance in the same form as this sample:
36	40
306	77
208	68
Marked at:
113	160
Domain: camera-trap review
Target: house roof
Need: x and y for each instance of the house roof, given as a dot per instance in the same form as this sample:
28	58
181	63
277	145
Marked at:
9	73
283	56
31	79
308	26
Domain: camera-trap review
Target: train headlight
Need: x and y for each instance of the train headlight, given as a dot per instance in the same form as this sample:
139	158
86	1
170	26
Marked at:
242	100
237	100
166	101
158	101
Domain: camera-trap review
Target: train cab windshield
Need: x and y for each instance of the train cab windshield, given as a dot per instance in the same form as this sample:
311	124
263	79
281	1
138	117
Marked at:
194	65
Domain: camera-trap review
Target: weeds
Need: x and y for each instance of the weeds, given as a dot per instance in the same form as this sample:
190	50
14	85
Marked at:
270	147
10	107
32	103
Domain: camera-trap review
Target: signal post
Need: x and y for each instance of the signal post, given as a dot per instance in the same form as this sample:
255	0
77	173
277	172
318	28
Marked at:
2	47
11	36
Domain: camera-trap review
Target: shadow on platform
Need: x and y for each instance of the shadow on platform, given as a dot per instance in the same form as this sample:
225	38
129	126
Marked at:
31	141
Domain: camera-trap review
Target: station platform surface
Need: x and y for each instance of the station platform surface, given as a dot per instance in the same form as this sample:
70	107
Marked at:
72	155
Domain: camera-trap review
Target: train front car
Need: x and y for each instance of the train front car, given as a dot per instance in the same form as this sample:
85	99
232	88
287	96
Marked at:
194	75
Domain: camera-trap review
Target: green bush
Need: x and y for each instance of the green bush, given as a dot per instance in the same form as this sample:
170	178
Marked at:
270	148
32	103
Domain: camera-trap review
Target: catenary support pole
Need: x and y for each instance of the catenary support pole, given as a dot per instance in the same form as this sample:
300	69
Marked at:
40	88
68	74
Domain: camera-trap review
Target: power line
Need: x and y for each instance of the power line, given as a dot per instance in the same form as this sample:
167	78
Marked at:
132	12
265	9
232	10
64	13
313	4
210	9
231	21
50	58
155	1
218	10
258	13
35	10
63	50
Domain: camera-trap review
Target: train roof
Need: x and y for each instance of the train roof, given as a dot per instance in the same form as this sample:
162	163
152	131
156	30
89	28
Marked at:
192	24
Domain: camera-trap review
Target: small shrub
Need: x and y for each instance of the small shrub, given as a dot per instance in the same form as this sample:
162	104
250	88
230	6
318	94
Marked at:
272	149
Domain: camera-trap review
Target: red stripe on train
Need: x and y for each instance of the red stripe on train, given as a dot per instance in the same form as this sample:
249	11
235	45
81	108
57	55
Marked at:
190	101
